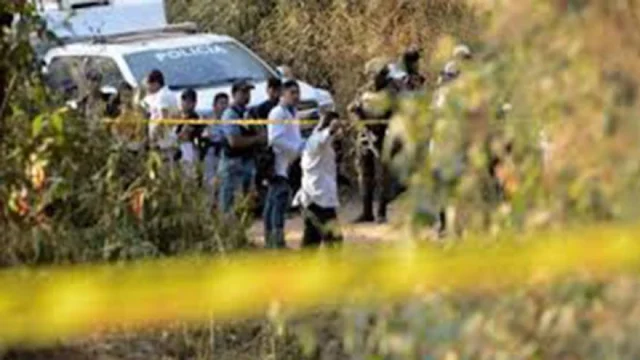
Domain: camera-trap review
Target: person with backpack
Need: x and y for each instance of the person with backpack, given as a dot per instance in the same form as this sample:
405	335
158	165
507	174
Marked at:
237	165
274	90
286	142
318	194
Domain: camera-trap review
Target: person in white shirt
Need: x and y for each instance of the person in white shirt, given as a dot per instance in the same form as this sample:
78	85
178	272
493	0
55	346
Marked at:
318	195
160	104
286	142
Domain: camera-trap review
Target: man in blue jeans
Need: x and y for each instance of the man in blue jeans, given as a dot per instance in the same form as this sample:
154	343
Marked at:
238	166
287	144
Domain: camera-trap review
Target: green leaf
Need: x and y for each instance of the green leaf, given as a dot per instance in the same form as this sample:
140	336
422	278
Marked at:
36	125
58	123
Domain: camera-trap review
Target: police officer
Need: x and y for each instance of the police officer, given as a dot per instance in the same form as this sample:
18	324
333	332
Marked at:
376	101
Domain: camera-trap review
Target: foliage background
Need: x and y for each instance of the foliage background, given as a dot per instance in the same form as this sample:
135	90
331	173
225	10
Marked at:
328	42
569	69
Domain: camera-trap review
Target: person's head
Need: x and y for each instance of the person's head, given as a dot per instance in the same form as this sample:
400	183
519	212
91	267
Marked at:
274	88
220	103
330	118
94	80
378	72
450	72
155	81
290	93
382	79
125	93
411	59
241	92
189	100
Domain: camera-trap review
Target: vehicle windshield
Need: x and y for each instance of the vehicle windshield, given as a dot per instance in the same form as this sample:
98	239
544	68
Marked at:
199	65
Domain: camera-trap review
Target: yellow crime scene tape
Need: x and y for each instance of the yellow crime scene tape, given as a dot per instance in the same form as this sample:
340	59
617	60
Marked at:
248	122
43	306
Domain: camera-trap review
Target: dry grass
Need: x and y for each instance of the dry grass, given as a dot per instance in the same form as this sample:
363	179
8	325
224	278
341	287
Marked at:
328	42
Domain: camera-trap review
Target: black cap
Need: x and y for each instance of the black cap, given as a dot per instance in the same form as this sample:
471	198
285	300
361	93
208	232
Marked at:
241	85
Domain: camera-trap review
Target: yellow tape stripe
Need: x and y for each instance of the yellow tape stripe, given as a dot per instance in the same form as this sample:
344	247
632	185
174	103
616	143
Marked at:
39	307
235	122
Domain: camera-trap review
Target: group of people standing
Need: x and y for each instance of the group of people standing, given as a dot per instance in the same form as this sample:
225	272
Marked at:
234	151
378	100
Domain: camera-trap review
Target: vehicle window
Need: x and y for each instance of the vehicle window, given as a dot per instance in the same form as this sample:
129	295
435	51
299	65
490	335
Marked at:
67	74
199	66
111	75
62	75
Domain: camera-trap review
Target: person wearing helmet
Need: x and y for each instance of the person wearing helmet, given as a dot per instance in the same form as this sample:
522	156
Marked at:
375	101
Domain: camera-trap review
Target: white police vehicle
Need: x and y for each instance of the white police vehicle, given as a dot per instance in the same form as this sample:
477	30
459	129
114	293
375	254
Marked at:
125	39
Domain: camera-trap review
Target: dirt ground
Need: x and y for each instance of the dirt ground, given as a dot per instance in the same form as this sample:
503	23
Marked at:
353	233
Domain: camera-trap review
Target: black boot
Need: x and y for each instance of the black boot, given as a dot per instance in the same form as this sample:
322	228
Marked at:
367	203
364	218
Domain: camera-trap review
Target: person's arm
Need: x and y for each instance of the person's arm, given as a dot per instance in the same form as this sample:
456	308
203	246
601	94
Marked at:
318	140
237	141
233	135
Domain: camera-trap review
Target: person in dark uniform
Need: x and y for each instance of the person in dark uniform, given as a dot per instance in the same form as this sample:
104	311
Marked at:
274	90
261	112
376	101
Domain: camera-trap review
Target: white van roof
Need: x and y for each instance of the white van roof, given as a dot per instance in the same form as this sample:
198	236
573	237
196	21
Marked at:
69	19
120	46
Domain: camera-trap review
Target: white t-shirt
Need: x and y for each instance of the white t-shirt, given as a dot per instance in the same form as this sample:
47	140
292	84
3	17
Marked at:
285	139
319	173
156	103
